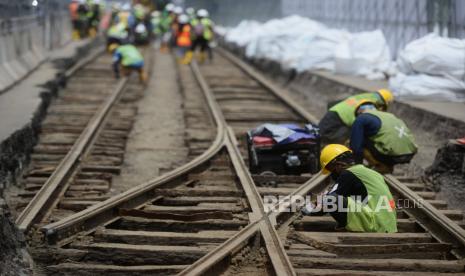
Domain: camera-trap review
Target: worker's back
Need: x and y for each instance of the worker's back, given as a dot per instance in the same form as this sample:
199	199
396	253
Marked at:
129	54
379	214
346	108
394	138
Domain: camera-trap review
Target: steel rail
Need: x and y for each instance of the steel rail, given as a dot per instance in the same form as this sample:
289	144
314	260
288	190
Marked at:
50	193
280	93
106	211
430	217
71	71
276	252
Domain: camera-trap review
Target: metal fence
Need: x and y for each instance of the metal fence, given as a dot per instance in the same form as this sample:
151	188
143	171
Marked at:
400	20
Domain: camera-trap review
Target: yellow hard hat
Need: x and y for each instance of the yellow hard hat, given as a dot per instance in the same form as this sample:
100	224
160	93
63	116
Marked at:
387	95
113	47
329	153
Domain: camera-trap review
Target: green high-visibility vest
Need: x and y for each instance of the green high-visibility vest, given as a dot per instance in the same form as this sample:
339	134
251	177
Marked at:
130	55
378	214
346	108
118	31
207	25
394	138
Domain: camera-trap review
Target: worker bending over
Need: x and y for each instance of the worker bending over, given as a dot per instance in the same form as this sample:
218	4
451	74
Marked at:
129	59
335	125
382	138
366	204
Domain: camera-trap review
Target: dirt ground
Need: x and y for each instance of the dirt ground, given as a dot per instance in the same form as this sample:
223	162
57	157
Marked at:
156	143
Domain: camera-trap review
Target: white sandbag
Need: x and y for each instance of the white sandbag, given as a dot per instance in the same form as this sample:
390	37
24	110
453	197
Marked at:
363	54
316	51
304	44
434	55
433	87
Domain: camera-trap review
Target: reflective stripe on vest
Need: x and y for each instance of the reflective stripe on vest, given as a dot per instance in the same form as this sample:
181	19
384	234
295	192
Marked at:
346	109
130	55
184	38
379	214
394	138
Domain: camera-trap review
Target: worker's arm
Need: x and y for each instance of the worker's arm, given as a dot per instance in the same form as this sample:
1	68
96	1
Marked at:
365	125
116	61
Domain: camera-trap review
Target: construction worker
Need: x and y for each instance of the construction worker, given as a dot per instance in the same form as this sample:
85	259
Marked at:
183	39
82	11
129	59
382	138
156	26
124	14
73	12
117	33
93	17
335	125
140	25
165	24
364	202
203	32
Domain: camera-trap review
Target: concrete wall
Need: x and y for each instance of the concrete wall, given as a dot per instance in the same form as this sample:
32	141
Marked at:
25	41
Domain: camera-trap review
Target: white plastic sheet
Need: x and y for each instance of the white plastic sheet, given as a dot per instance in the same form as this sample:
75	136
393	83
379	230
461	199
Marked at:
303	44
431	66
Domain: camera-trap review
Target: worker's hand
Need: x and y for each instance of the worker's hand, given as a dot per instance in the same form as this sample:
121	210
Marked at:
308	209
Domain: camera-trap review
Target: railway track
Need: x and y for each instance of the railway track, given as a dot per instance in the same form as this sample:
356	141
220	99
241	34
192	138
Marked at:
81	144
207	217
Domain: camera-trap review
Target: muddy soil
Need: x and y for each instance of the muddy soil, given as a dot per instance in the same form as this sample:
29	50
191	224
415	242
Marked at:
14	258
448	173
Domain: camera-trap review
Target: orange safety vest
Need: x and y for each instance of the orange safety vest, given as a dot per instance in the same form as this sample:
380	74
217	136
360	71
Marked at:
73	10
184	37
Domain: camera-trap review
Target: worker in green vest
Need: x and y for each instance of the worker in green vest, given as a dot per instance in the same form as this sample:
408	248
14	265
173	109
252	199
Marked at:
117	33
360	201
335	125
129	59
203	35
381	138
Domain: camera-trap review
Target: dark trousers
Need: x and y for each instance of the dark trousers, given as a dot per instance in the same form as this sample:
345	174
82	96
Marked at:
333	130
202	43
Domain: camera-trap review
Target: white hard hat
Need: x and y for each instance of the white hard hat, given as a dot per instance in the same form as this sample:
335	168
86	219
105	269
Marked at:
126	7
169	7
183	19
190	10
178	10
202	13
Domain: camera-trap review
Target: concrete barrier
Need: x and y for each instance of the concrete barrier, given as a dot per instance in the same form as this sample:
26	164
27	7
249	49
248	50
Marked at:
25	41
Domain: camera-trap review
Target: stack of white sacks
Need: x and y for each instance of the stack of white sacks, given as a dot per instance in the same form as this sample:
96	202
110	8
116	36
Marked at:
429	66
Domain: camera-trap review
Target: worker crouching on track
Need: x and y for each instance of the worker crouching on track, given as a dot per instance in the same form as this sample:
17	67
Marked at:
129	59
381	138
364	202
183	39
335	125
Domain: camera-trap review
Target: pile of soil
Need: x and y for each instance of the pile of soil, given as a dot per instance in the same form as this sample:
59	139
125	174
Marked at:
14	258
447	173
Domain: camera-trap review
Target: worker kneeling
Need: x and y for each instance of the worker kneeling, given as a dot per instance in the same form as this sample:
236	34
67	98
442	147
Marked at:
364	202
335	125
381	138
129	59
